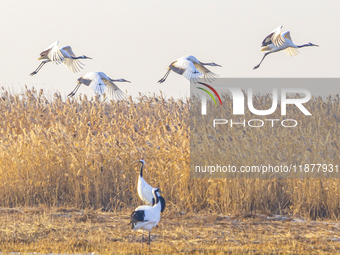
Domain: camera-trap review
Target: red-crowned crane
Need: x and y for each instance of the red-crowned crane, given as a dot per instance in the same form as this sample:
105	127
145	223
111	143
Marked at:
276	41
146	217
62	55
191	68
145	190
101	84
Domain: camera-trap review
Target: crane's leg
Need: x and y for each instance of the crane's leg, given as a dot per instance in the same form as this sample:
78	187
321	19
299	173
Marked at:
164	77
265	55
74	90
149	241
142	239
39	67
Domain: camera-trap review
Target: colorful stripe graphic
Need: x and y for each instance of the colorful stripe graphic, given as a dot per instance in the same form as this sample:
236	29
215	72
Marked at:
210	93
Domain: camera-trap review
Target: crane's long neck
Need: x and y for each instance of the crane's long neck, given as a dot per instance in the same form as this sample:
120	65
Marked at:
79	57
118	80
207	64
141	170
304	45
156	199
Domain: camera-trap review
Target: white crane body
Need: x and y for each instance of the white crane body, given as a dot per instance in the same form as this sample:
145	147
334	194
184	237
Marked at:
146	217
191	68
276	41
101	84
145	190
62	55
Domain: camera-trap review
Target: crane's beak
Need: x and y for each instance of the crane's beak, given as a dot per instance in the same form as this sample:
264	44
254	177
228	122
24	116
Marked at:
134	162
218	65
40	58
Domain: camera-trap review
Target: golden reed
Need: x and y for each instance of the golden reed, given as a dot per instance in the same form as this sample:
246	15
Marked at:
78	152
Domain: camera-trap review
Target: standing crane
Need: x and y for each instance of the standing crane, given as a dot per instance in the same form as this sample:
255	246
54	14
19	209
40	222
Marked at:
191	68
276	41
145	190
62	55
101	84
146	217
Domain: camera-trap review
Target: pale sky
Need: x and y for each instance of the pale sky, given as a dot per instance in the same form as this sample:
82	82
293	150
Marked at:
137	40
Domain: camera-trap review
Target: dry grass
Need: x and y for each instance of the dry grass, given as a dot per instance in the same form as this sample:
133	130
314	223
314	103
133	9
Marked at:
67	230
78	153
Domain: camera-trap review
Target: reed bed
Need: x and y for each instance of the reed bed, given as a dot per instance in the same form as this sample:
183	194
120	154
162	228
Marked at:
78	153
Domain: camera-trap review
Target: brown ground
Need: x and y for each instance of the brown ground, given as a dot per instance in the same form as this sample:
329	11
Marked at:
69	230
